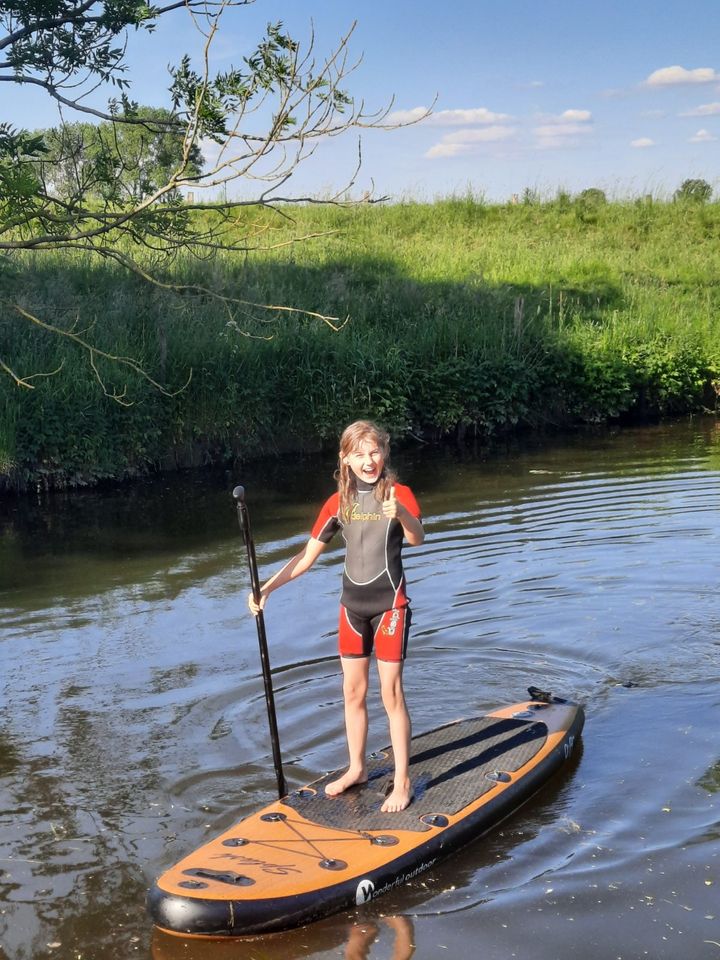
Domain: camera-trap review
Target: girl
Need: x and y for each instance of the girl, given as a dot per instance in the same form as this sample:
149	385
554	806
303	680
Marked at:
376	514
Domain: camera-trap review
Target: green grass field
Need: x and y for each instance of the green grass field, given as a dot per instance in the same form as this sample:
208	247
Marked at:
460	316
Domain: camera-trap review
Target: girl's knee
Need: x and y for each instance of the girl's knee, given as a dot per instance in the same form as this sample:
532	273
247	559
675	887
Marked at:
355	691
355	681
393	697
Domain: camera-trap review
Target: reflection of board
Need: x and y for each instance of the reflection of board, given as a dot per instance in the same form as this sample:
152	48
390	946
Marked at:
309	855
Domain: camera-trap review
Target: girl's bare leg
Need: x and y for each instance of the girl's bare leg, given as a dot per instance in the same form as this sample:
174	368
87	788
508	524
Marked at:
355	687
394	702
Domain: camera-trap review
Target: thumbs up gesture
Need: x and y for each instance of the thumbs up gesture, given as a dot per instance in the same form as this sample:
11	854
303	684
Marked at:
390	506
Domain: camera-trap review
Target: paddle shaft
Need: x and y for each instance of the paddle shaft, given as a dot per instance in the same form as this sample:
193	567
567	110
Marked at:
244	521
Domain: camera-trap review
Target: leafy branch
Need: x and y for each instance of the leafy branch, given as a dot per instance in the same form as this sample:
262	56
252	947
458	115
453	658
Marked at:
141	186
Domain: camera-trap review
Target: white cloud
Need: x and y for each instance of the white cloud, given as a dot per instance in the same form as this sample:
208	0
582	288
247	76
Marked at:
453	118
408	116
672	76
568	118
575	116
448	118
478	126
642	142
704	110
486	135
446	150
562	130
463	141
702	136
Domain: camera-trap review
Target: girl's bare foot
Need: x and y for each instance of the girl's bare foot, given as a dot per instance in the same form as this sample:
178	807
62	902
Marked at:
399	799
349	779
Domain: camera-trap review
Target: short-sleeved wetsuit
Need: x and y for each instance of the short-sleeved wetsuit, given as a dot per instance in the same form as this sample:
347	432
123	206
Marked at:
374	604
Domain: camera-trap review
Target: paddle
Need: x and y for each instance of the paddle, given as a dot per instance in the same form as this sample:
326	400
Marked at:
244	521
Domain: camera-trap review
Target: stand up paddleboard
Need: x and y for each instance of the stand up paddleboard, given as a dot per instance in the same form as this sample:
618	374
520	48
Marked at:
308	855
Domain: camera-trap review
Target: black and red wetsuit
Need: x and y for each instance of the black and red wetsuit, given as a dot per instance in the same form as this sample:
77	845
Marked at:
374	604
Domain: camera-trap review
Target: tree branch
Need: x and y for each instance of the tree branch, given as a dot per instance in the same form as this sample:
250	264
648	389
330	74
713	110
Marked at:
92	194
94	352
25	381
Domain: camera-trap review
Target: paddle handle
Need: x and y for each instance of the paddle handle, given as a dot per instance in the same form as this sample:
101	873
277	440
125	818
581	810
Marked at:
244	521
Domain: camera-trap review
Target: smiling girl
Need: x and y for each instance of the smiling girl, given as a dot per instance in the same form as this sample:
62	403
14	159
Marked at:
377	516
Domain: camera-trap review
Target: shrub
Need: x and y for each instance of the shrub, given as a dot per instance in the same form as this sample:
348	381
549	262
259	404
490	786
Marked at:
592	197
697	191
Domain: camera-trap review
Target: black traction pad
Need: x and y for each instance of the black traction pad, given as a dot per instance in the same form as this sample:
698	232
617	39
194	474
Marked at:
449	767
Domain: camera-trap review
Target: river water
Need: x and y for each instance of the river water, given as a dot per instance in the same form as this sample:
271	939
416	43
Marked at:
132	718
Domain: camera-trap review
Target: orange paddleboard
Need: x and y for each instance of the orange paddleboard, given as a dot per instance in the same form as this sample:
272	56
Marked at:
309	855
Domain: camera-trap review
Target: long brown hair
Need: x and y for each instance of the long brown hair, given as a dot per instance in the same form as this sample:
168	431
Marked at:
350	441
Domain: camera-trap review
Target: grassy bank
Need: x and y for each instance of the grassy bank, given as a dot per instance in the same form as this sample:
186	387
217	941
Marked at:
462	316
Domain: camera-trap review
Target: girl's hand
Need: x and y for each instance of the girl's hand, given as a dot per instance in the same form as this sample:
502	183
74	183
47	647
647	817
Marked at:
390	506
412	526
255	607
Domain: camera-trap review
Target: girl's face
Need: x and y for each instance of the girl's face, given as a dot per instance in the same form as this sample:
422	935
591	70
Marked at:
366	461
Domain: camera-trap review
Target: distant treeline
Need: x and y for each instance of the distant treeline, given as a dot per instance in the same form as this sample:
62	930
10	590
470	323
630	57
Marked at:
454	317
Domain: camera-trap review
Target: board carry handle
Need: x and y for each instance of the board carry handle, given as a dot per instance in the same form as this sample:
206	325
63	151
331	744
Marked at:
543	696
244	521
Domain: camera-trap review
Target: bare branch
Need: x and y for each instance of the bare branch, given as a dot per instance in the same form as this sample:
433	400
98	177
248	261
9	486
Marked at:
93	352
25	381
335	323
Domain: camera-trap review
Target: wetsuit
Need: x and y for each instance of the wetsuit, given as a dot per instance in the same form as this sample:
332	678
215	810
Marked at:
374	604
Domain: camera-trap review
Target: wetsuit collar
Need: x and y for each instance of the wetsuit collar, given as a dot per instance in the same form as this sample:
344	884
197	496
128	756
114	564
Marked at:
364	487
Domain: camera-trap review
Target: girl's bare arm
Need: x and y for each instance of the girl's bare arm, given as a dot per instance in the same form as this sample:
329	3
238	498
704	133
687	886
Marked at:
293	569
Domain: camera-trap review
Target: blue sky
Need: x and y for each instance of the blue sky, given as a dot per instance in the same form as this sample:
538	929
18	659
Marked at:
543	95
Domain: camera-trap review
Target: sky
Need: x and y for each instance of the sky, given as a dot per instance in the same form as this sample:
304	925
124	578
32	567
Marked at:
544	95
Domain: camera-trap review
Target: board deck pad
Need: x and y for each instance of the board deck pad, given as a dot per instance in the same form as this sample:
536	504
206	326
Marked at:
449	768
306	855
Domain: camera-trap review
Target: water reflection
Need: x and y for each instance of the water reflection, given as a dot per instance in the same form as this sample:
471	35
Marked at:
710	780
389	937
